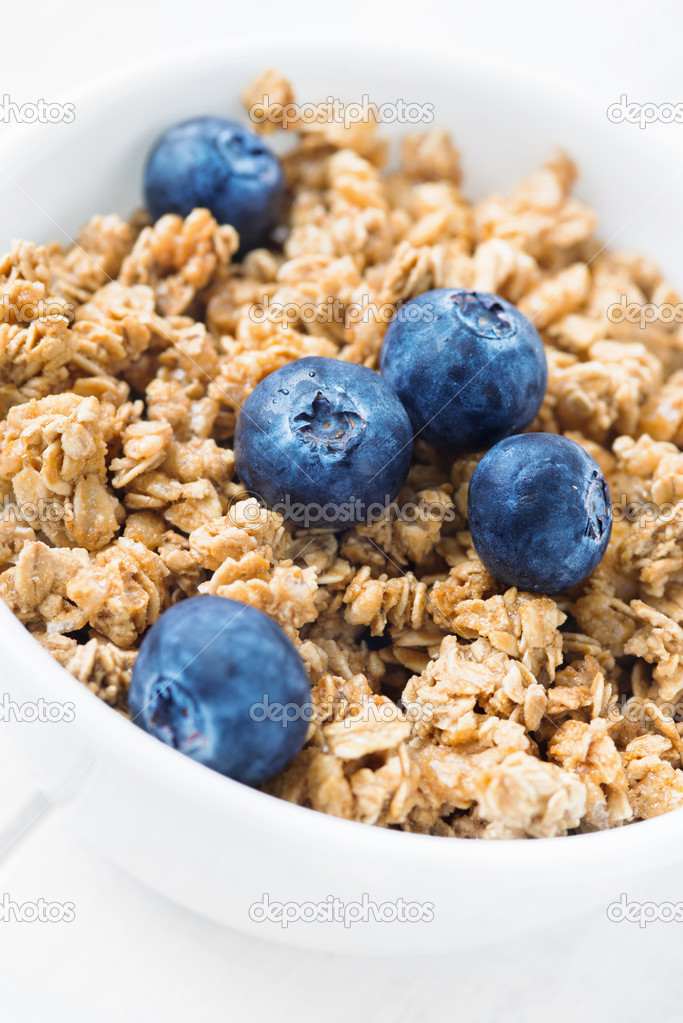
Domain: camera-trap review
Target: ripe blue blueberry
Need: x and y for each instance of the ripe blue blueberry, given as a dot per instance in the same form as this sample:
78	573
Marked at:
222	683
325	442
469	368
221	166
539	512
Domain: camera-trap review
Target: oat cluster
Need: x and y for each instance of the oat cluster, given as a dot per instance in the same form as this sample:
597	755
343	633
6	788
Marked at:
444	703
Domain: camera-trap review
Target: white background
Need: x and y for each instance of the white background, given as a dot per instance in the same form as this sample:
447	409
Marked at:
131	955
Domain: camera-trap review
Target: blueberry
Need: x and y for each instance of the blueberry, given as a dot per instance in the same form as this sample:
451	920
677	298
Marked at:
219	165
325	442
222	683
469	368
539	512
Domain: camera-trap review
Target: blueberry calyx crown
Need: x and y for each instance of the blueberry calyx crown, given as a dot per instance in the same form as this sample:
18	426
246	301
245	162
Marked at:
176	717
329	426
240	153
597	507
481	313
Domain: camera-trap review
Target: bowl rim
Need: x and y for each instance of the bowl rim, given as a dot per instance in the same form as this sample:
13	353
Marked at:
115	735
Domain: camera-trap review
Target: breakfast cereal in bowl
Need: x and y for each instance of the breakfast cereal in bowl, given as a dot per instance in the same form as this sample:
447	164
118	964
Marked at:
352	489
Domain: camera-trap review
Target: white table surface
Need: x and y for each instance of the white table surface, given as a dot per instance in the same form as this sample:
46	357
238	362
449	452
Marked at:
129	954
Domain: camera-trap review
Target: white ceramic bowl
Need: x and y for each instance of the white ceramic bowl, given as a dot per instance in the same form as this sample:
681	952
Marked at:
208	842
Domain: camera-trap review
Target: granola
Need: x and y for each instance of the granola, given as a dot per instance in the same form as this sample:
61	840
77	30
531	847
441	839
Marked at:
444	704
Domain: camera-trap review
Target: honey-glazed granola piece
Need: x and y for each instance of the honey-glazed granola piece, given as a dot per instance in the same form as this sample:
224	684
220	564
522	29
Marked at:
367	732
354	213
464	681
99	664
148	528
27	264
14	534
606	619
264	98
246	527
412	648
659	641
539	215
624	282
402	275
53	453
557	295
438	213
467	580
530	797
655	468
35	340
413	530
187	506
35	588
501	268
331	646
378	602
661	416
522	625
178	257
94	259
654	786
446	783
116	327
588	751
33	359
350	724
185	574
431	156
602	395
269	101
122	591
510	792
145	447
651	552
228	299
386	795
320	551
284	591
179	392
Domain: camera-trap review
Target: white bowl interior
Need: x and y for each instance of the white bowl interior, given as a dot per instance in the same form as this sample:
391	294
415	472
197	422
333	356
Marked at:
202	839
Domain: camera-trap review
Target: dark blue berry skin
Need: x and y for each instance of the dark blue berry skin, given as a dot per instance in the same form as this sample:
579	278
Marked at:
321	433
201	671
469	368
221	166
539	512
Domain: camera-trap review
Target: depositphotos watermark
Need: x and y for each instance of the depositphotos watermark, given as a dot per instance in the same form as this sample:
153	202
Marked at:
42	510
28	312
335	111
332	310
40	911
337	514
645	313
40	710
643	114
644	913
644	713
354	710
40	111
625	510
334	910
